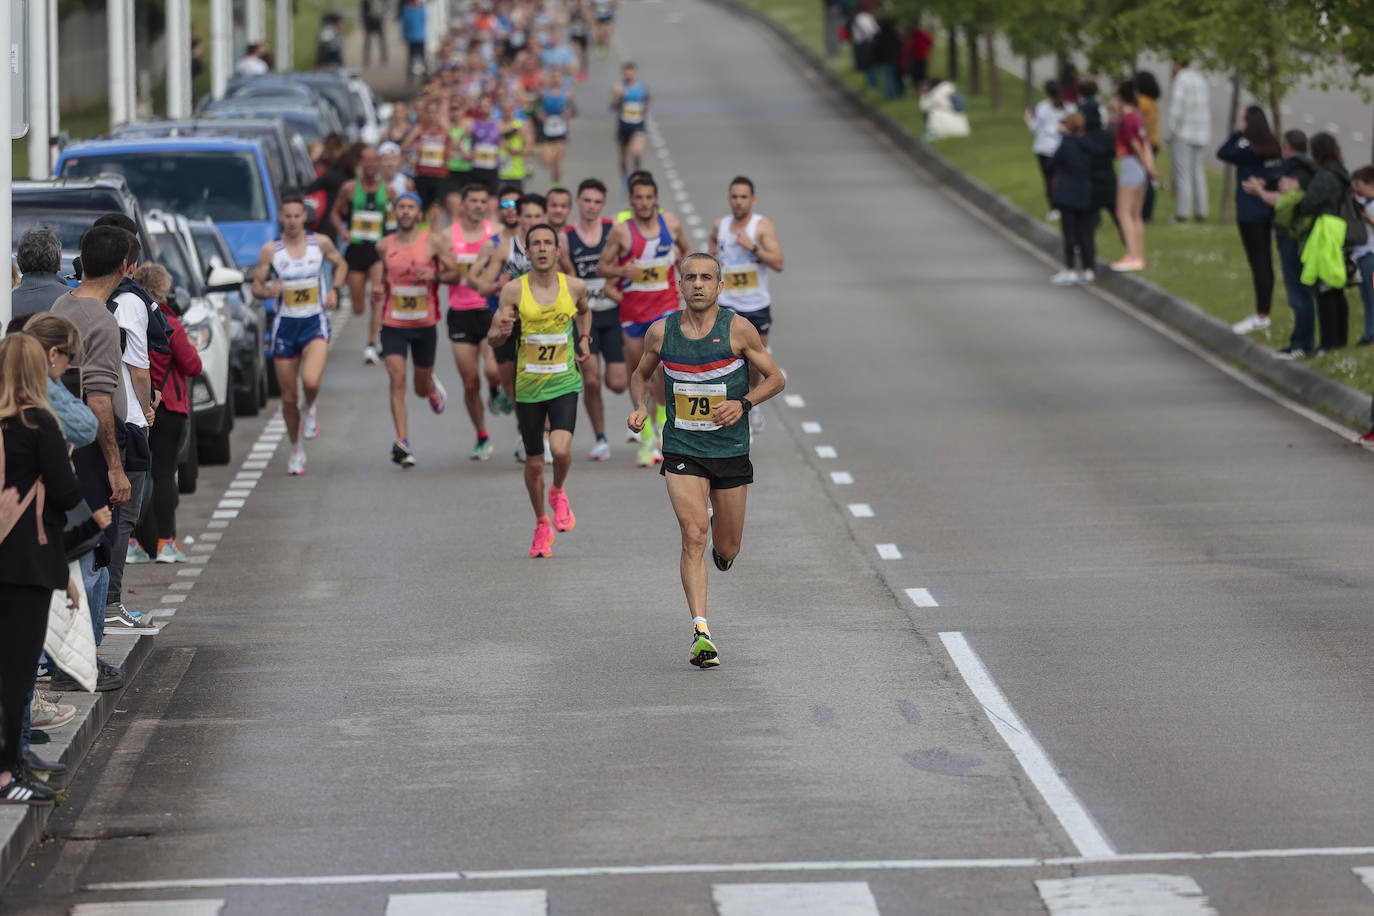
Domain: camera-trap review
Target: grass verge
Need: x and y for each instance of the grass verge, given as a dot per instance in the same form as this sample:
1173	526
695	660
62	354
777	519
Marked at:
1201	262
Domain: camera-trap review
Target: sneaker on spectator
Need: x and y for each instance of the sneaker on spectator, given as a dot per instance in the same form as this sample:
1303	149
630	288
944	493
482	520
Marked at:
1052	216
1365	341
108	678
44	769
1128	265
169	551
1251	323
1367	438
21	790
133	621
1290	353
1087	276
1065	278
46	714
137	554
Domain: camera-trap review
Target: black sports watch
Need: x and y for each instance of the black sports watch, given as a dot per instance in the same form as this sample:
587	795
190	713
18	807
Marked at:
748	405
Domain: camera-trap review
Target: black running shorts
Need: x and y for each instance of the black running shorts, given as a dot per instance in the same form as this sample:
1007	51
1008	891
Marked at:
723	473
505	353
607	340
419	343
561	413
469	326
360	256
761	319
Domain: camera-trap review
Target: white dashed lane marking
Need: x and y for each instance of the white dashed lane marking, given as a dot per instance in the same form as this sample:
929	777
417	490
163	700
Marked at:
826	451
861	510
794	400
889	552
811	427
841	478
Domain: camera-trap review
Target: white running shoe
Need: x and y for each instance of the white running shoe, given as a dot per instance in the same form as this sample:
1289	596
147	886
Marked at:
631	435
310	423
295	462
1087	276
1065	278
548	455
601	451
370	355
520	451
1251	323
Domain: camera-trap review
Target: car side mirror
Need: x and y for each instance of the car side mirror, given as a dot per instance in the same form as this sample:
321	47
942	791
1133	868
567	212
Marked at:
178	299
224	279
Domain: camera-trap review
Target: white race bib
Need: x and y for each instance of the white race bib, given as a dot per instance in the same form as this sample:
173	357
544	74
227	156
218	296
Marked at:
300	294
484	155
741	278
651	275
432	155
365	226
693	405
410	303
555	127
597	300
632	112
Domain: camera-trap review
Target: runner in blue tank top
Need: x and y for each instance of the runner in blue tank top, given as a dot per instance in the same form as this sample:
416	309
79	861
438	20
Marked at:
707	353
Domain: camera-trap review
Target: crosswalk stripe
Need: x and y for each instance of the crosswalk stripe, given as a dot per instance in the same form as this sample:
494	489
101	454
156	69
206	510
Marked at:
818	898
472	903
151	908
1124	895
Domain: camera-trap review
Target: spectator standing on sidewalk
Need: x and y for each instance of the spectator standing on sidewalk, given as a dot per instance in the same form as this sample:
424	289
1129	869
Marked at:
1102	144
1362	181
1147	100
1330	194
373	14
39	254
863	30
1190	131
1044	123
1295	174
37	489
1072	196
1255	153
887	54
916	54
414	29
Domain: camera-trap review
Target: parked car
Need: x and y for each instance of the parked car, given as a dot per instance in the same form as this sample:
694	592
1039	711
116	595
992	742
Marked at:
329	87
313	124
70	205
248	363
206	318
225	179
350	95
282	156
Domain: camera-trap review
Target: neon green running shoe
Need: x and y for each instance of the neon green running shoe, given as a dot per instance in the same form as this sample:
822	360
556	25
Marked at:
481	451
704	653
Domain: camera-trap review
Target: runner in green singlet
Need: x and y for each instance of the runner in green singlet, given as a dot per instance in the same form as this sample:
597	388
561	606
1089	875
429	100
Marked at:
706	352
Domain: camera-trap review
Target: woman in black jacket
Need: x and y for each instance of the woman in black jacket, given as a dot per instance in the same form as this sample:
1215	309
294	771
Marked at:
37	490
1329	194
1102	143
1071	193
1255	152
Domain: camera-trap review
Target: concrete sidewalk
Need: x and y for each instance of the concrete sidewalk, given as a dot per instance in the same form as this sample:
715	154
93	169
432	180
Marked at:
387	78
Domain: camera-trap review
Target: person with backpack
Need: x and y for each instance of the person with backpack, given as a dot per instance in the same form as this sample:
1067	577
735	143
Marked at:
171	370
37	487
1329	195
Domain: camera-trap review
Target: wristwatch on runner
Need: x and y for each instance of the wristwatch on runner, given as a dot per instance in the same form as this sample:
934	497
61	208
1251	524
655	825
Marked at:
748	406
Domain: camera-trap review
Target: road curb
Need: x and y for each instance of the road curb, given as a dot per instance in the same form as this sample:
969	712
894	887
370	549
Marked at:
1350	405
23	826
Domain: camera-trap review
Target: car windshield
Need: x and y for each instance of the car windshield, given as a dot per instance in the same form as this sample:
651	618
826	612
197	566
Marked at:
207	243
225	186
177	261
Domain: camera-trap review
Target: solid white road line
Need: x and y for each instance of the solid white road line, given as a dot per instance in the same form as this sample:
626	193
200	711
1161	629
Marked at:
826	898
889	552
861	510
841	478
921	597
473	903
151	908
811	427
794	400
1124	895
1083	831
862	865
826	451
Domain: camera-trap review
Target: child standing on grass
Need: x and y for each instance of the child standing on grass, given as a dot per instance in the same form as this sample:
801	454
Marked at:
1362	182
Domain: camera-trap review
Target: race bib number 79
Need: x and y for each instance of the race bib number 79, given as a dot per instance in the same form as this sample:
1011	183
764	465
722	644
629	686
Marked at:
694	404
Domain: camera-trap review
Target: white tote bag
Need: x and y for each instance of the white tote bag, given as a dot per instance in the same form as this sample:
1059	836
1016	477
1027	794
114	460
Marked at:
70	643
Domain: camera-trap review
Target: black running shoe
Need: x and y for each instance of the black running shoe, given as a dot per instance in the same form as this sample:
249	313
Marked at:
24	791
401	453
722	564
44	769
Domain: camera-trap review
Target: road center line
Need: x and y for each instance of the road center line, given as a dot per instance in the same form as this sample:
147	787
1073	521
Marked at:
1073	816
841	478
861	510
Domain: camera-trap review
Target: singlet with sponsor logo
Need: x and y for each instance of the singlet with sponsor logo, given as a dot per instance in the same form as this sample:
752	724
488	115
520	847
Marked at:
546	358
462	297
745	277
410	301
652	291
632	104
368	213
432	162
698	374
585	258
302	279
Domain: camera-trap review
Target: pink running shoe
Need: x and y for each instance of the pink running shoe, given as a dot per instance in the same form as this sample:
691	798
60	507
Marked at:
543	541
438	397
563	518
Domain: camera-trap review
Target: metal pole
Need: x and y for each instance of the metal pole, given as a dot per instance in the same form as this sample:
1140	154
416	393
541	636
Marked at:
130	61
221	45
254	21
118	49
39	131
281	49
54	69
178	58
6	157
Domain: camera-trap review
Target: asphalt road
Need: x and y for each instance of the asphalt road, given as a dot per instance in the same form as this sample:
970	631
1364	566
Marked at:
370	694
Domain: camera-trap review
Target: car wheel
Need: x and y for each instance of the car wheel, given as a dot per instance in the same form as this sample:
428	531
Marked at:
189	470
263	384
213	448
246	397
